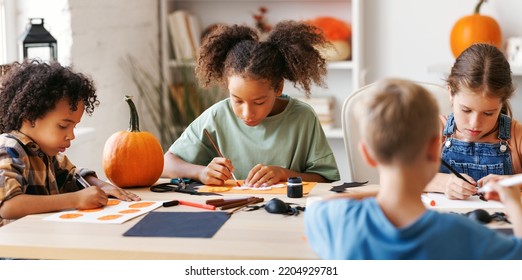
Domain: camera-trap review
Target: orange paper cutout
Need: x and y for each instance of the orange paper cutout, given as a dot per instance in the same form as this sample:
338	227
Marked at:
113	202
141	204
128	211
109	217
70	216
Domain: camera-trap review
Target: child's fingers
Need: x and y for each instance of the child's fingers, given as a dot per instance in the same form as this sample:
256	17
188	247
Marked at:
222	165
489	178
492	196
92	197
252	176
264	175
128	196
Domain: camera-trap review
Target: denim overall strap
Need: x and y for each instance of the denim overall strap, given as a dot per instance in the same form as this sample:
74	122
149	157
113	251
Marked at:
478	159
504	127
450	126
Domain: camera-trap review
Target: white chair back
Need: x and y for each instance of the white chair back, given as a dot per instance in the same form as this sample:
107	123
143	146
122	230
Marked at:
359	170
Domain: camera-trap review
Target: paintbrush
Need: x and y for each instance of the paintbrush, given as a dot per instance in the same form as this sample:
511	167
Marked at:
220	154
456	173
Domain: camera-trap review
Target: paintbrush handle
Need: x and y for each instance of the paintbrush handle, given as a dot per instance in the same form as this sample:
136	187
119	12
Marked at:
257	200
455	172
225	202
212	142
237	204
219	153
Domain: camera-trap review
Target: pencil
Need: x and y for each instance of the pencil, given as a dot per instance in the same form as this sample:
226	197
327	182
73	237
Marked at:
81	180
219	153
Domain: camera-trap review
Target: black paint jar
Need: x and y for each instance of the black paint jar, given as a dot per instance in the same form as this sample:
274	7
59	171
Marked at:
294	187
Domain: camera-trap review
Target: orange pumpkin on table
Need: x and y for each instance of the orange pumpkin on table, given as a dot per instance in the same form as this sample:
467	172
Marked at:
132	158
475	28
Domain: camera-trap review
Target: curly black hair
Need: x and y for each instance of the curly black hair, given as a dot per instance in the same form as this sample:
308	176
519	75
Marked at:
289	53
31	89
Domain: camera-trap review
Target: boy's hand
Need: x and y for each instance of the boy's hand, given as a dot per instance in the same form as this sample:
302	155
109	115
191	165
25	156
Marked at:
457	188
491	178
509	196
217	172
119	193
90	198
266	175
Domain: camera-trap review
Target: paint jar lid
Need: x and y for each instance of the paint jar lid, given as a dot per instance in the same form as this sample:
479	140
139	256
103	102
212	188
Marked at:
294	180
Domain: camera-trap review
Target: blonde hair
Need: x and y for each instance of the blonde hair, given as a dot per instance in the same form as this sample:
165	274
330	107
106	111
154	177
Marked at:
397	119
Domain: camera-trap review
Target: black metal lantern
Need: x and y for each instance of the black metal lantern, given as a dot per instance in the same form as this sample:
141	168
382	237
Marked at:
38	43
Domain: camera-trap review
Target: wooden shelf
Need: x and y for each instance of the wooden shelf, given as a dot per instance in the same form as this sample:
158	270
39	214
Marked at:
346	64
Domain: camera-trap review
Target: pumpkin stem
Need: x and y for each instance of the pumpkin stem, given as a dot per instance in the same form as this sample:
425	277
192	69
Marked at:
134	124
477	8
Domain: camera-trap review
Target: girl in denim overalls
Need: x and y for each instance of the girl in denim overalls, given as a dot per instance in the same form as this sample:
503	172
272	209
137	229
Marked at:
478	136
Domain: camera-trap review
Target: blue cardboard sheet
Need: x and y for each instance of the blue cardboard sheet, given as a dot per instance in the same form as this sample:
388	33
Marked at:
179	224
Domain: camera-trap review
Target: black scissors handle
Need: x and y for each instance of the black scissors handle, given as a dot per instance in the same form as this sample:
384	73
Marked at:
194	192
166	187
169	187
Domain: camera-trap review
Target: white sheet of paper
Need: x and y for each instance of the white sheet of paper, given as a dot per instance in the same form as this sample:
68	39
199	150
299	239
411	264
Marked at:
245	187
116	212
474	202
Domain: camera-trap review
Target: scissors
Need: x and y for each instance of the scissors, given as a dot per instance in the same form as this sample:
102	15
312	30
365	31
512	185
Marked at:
181	185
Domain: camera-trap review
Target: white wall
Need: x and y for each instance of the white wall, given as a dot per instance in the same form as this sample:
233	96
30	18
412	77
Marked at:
404	37
104	33
94	37
56	20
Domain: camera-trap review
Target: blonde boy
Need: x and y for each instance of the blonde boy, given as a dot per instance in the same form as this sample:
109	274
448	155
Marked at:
401	137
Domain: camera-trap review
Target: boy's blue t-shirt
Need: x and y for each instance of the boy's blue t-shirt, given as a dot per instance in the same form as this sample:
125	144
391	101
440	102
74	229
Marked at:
358	229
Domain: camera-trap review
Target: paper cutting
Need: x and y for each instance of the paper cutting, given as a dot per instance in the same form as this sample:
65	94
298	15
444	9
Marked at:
115	212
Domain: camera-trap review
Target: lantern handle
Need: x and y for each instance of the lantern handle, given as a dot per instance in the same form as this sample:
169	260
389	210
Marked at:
33	19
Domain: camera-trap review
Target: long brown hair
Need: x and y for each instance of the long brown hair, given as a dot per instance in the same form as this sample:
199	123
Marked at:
483	69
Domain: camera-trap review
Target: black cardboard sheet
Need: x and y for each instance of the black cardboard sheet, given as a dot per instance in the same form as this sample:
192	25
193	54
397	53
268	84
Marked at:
179	224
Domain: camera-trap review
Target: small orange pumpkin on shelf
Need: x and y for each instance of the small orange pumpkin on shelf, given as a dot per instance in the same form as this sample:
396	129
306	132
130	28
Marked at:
132	158
338	33
475	28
